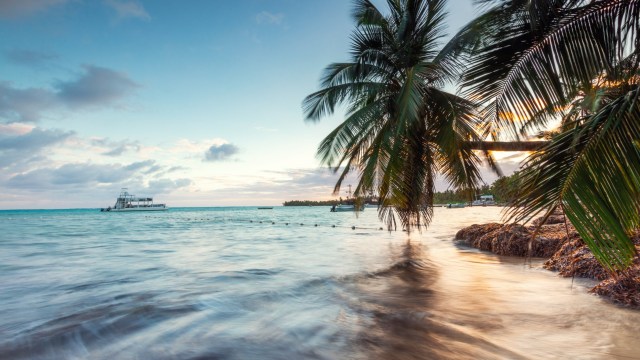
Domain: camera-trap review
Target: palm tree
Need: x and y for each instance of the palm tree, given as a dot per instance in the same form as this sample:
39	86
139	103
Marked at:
532	62
401	127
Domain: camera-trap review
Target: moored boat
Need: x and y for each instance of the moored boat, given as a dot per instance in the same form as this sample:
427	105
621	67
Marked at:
484	200
456	205
129	202
347	205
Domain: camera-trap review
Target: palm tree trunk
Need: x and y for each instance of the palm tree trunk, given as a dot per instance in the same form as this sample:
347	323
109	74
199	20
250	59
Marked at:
507	145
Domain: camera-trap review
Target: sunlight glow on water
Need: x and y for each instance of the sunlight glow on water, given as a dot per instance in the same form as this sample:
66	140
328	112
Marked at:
219	283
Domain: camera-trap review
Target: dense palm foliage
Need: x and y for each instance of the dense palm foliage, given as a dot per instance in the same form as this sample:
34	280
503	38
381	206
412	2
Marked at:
535	61
401	128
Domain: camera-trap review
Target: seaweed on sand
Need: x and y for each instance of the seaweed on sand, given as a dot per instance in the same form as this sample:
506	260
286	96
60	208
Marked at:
513	239
567	253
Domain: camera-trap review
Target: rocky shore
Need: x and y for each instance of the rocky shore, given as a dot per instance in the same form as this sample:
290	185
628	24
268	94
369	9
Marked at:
565	250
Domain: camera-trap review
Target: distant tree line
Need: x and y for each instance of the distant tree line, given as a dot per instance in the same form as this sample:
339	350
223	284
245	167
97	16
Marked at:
503	191
310	203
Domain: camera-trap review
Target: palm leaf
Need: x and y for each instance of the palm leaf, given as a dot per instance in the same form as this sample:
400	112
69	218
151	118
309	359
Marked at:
593	172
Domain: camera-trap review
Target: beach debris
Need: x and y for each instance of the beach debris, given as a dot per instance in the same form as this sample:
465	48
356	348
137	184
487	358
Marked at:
512	239
623	290
567	252
575	259
552	219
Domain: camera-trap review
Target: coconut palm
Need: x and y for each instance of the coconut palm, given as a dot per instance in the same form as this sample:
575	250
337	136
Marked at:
535	61
401	127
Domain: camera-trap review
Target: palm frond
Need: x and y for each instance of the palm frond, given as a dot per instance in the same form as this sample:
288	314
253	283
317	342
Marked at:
593	172
529	68
400	128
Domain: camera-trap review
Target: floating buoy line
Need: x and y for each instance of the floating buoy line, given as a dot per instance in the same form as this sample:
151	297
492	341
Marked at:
285	223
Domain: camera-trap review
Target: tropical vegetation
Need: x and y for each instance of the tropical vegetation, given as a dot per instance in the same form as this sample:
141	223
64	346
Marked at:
535	62
401	127
528	65
310	203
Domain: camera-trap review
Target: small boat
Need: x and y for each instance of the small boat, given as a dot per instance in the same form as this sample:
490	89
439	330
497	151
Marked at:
484	200
456	205
348	205
129	202
265	208
345	207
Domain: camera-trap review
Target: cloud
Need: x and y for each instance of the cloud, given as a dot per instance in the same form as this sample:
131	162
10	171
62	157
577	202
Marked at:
22	8
78	174
164	186
19	145
29	57
219	152
24	105
128	9
116	148
97	86
290	184
139	165
266	17
35	139
177	168
117	151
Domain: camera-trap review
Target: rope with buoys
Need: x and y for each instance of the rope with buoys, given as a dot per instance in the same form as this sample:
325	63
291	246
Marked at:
272	222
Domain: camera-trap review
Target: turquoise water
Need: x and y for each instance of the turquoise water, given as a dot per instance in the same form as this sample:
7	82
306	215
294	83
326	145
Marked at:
286	283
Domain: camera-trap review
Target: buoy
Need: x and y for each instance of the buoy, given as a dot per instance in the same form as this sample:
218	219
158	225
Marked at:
316	225
353	228
301	224
286	223
273	223
381	229
333	226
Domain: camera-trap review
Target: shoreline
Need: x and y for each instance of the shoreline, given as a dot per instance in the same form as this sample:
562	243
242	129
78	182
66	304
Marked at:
565	253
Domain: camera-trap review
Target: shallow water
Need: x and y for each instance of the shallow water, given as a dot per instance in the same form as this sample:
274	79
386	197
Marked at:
243	283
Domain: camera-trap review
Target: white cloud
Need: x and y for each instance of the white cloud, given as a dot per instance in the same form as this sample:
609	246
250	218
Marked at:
128	9
115	148
266	17
79	174
19	144
163	186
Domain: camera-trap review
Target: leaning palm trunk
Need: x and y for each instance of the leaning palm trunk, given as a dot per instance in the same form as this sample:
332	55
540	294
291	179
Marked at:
507	145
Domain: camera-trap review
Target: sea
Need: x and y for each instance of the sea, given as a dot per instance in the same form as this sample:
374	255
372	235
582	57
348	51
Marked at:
286	283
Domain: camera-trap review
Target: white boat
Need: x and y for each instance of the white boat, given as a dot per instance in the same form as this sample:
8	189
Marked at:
129	202
348	206
345	207
456	205
484	200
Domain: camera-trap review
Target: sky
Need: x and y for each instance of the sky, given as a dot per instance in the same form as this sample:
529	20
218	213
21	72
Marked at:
196	103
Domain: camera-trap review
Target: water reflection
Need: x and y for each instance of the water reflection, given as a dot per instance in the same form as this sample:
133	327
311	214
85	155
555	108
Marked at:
401	311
